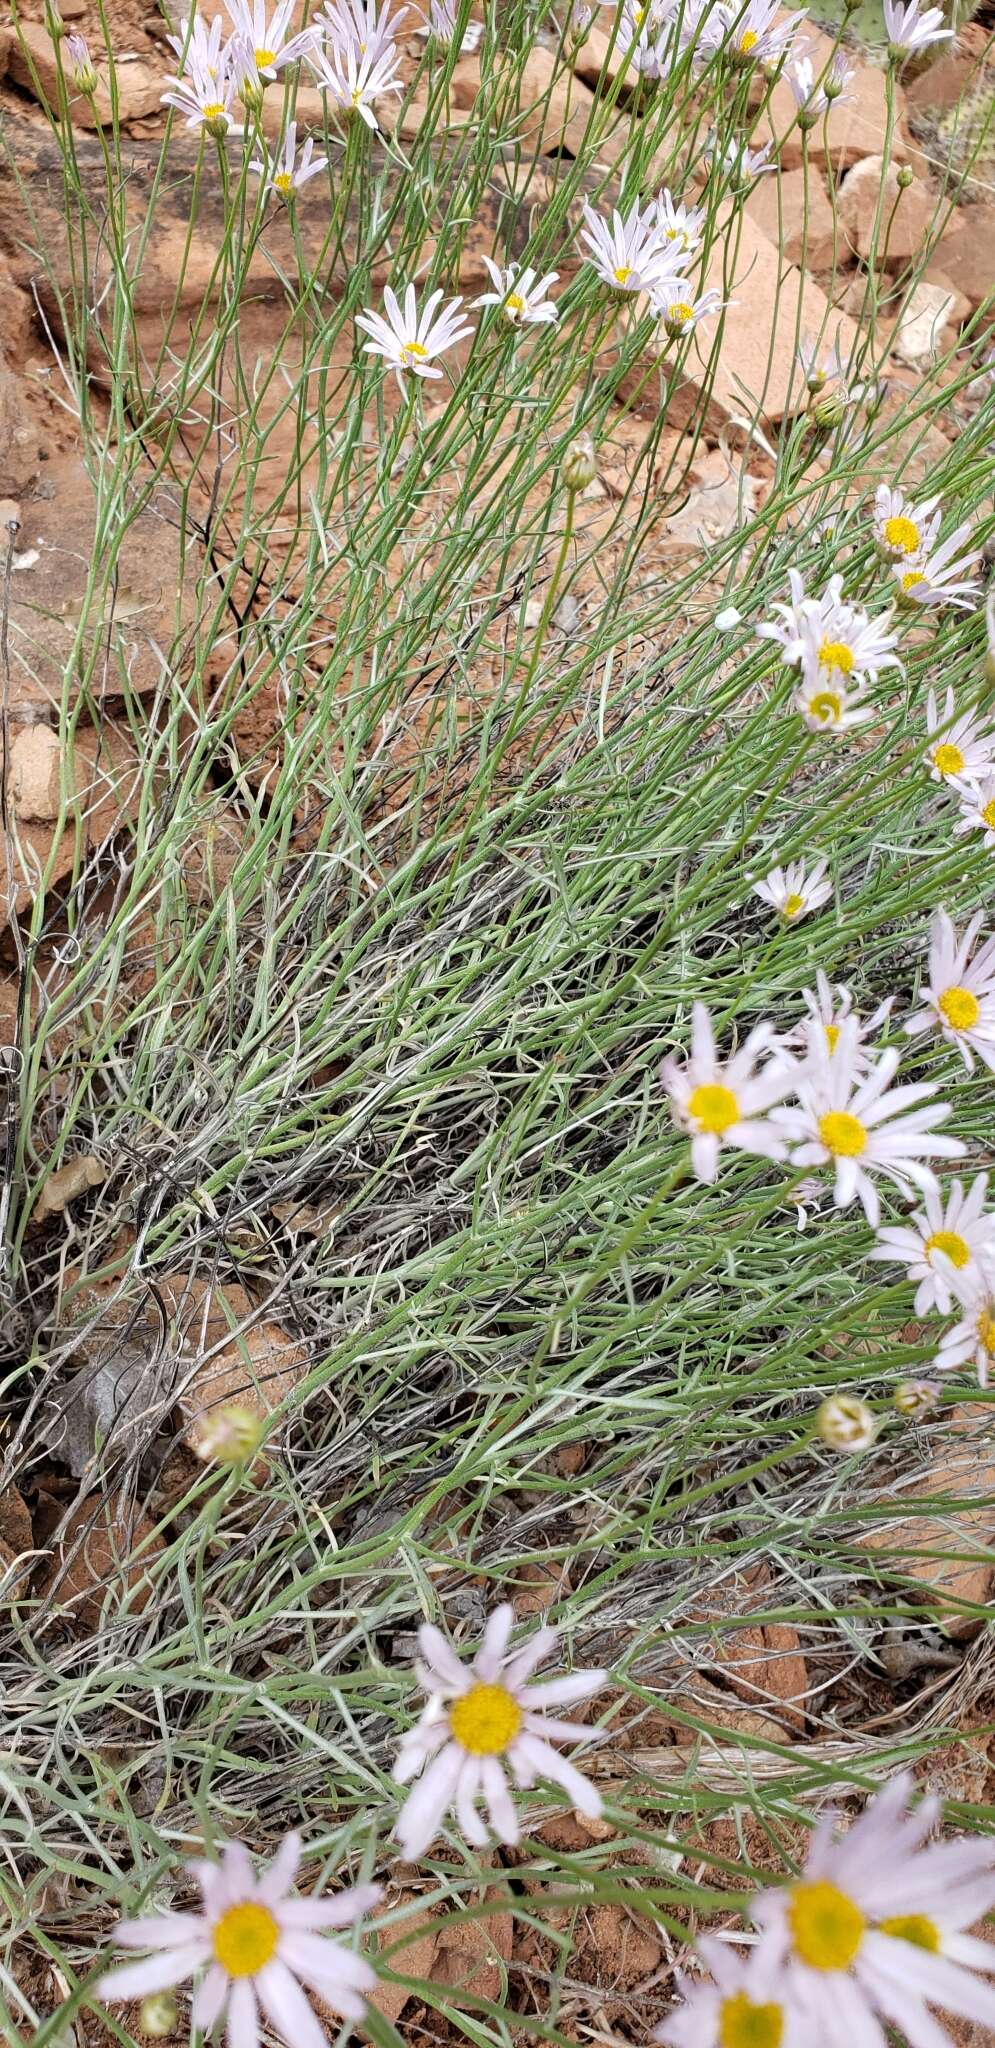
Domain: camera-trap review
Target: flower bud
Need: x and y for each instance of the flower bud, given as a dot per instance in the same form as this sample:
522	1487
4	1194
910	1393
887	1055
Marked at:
579	466
830	408
53	21
81	69
846	1423
916	1397
904	177
158	2015
230	1435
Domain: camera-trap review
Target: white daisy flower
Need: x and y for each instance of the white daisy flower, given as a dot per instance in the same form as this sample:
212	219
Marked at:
680	226
354	80
408	340
286	172
872	1931
204	98
756	35
744	2006
861	1126
828	1010
520	293
908	29
266	34
358	26
258	1946
972	1339
819	368
628	252
831	708
903	530
959	1230
675	304
814	96
481	1724
738	164
793	892
960	992
836	642
198	47
961	750
977	810
441	24
940	577
725	1102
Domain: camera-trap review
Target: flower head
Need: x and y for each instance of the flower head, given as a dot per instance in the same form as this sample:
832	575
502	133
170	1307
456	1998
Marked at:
961	750
846	1423
675	304
814	96
830	706
853	1124
940	576
940	1241
909	29
836	642
357	26
977	810
971	1341
960	992
442	25
744	2004
792	892
521	294
903	530
257	1944
205	97
628	253
757	33
818	368
408	340
827	1012
738	165
916	1397
873	1929
287	172
680	226
266	35
725	1102
355	79
81	68
198	47
483	1723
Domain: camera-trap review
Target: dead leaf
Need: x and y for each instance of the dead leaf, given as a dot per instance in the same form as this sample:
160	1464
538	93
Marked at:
63	1186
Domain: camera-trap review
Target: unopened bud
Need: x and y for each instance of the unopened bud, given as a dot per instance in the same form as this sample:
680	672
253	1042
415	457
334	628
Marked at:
580	464
846	1423
916	1397
81	68
158	2015
230	1435
904	177
830	408
53	21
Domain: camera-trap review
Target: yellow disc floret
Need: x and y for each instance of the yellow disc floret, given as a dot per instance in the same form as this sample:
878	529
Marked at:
902	534
825	706
792	905
911	579
842	1134
986	1330
827	1928
948	758
713	1108
514	305
832	1032
245	1938
954	1248
988	814
680	313
745	2025
836	654
485	1720
623	273
914	1928
264	58
960	1007
414	348
748	41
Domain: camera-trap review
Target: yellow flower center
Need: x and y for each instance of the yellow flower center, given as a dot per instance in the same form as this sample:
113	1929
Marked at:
960	1008
792	905
832	1036
988	814
623	274
825	706
264	58
713	1108
283	181
485	1720
680	313
948	758
826	1927
902	534
212	110
986	1330
245	1939
913	1927
513	304
836	654
415	349
911	579
953	1247
745	2025
748	41
842	1134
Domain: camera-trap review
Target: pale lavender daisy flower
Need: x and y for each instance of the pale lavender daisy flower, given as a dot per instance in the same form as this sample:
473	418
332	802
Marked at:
961	750
960	992
726	1102
628	252
286	172
257	1945
521	294
941	576
266	34
861	1126
408	339
971	1341
910	29
482	1724
977	810
794	892
957	1233
743	2004
355	79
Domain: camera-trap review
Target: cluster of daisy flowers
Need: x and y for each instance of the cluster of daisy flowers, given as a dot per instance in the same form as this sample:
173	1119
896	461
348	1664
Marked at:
874	1923
821	1096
